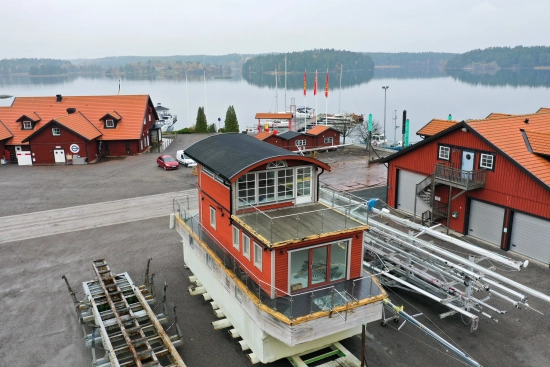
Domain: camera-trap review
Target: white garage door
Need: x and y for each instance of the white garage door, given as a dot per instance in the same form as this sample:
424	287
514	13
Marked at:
486	222
530	237
406	187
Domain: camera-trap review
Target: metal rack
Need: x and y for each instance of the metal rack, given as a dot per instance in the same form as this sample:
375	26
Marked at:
122	321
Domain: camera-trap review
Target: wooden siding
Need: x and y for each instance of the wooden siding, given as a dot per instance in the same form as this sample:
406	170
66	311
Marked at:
43	144
507	186
319	140
216	190
281	257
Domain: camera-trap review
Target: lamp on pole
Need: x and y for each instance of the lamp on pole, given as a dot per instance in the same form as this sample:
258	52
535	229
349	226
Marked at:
385	89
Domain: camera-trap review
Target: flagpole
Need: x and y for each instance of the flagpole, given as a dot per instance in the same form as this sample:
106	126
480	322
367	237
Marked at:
119	85
316	85
305	99
205	92
326	100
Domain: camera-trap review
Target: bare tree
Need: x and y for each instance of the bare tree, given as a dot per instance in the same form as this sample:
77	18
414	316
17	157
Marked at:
363	130
346	128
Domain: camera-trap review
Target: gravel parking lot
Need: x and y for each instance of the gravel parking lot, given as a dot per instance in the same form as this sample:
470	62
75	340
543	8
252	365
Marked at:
38	322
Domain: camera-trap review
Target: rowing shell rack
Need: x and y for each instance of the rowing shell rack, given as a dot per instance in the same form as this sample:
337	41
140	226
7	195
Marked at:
120	318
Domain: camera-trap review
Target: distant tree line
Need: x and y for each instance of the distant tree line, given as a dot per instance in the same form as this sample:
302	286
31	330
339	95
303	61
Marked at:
170	68
320	59
502	57
411	59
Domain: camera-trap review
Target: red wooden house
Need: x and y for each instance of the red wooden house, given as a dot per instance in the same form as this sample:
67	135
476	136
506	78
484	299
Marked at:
488	178
324	136
5	134
272	256
47	130
289	140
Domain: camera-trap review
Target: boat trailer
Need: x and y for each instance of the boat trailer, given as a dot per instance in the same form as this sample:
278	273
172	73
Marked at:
121	319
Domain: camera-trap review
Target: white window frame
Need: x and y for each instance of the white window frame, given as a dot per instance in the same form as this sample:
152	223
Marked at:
280	176
329	140
109	123
301	143
56	131
27	125
236	238
246	246
257	252
276	164
487	158
444	152
212	217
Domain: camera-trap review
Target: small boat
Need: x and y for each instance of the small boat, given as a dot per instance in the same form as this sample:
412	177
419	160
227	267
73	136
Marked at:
306	112
166	120
340	117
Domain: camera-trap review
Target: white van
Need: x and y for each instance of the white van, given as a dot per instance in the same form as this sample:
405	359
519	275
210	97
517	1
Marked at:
184	159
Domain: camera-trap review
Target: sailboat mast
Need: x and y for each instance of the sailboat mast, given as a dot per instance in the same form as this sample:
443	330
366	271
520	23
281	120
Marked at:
340	94
187	99
285	83
276	92
205	104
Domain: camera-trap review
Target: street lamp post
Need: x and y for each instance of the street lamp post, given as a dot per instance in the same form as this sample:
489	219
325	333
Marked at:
385	89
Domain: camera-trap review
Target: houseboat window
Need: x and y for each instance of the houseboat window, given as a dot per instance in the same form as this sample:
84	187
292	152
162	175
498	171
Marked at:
444	152
300	143
328	264
236	243
303	179
486	161
266	187
247	189
27	125
285	184
246	246
109	123
213	217
276	164
328	140
207	171
56	131
209	260
258	256
239	294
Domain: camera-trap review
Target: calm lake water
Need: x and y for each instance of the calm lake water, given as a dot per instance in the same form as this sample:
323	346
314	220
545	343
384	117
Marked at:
425	94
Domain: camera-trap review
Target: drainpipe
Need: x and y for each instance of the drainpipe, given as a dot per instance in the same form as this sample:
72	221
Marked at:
322	171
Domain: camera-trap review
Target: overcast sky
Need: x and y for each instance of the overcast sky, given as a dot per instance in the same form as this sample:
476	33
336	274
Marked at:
71	29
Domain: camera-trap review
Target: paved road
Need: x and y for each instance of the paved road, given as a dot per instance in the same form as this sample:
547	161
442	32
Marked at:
77	218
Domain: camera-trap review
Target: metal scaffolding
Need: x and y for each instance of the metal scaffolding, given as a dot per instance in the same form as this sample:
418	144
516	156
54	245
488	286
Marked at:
120	318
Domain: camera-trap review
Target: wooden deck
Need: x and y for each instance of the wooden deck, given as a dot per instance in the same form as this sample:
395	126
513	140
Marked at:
279	226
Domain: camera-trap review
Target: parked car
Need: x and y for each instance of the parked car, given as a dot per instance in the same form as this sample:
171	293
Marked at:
184	159
167	162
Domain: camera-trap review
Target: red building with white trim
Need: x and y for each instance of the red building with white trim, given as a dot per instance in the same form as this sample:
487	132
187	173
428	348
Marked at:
51	130
488	178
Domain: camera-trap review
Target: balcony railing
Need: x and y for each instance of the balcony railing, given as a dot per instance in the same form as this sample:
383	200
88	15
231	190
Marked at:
300	221
336	298
467	180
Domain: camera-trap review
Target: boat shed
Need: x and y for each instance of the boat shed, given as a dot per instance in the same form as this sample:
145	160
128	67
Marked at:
488	178
77	129
324	136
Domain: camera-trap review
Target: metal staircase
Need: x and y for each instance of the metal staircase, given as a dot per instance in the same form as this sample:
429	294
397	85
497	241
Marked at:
425	192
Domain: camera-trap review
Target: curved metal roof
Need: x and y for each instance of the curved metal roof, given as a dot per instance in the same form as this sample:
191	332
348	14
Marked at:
229	154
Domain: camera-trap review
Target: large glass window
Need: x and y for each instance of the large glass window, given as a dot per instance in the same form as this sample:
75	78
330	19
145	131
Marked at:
266	187
328	264
303	179
285	184
247	189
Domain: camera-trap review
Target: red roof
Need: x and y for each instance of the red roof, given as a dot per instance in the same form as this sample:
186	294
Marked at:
319	129
539	142
131	108
282	116
435	126
4	132
506	135
263	135
75	122
497	115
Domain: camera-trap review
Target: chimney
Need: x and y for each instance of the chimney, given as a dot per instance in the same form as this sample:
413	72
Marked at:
58	97
71	110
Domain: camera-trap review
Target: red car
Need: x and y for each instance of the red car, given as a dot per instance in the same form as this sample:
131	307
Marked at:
167	162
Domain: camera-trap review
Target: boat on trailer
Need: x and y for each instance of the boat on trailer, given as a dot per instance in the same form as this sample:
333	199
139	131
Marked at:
283	270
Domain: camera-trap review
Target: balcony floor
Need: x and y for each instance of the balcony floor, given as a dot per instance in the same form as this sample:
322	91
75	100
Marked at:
297	222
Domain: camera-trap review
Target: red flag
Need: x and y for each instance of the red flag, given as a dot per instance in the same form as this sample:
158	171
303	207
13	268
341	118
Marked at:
305	82
315	84
326	86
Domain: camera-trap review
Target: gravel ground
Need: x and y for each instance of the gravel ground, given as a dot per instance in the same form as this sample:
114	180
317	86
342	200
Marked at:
39	326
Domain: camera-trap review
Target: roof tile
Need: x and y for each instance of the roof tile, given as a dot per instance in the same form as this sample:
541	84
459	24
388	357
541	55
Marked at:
263	135
540	142
5	133
319	129
435	126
